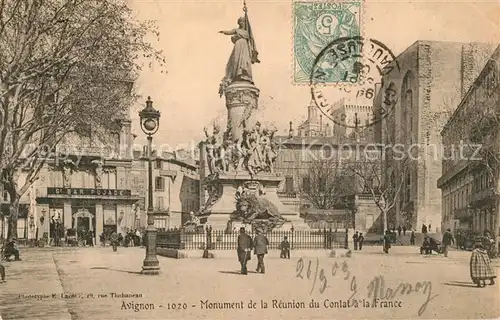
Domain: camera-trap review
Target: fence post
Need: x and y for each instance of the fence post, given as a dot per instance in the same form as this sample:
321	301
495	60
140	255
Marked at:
346	240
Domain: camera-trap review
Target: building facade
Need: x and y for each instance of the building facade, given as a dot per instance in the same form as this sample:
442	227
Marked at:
176	188
316	125
102	187
468	181
429	78
295	158
83	186
348	115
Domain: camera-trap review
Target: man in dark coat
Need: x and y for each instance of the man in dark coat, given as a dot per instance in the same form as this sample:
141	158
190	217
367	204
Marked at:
285	248
360	241
447	241
114	239
424	228
260	244
355	240
412	237
387	241
244	249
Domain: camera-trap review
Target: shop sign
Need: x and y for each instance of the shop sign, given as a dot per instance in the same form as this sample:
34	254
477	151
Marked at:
88	192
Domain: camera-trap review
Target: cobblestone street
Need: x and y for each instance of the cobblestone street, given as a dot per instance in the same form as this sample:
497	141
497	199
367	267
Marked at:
79	284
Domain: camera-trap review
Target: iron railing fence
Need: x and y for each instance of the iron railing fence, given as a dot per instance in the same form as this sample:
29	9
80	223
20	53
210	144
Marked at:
220	240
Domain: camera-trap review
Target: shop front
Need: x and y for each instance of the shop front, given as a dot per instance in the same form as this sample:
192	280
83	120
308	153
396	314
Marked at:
24	230
84	212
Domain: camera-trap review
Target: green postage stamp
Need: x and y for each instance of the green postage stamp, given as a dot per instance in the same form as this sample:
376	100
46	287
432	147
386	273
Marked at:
316	24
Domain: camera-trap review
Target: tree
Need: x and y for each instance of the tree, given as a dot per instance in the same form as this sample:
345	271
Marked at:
324	185
65	67
383	188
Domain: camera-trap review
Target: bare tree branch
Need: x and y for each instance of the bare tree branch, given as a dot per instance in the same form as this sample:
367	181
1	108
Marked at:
66	66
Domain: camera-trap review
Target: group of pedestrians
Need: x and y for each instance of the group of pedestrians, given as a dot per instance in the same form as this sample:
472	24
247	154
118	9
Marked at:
358	239
10	249
480	261
244	250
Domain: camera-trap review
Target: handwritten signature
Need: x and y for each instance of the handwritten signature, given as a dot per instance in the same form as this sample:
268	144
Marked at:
377	288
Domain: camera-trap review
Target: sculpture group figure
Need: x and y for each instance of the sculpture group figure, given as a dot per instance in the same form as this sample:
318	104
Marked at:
253	152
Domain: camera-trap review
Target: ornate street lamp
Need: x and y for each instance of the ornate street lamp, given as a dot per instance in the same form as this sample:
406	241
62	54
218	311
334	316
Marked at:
150	121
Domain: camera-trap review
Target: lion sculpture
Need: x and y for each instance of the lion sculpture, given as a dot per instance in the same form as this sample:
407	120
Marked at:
258	211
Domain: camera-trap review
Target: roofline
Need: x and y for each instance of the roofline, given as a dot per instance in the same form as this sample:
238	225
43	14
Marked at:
479	79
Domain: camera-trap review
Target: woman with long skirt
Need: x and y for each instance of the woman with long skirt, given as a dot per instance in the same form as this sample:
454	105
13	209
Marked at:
480	266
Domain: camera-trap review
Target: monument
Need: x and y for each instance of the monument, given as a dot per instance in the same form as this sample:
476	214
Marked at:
242	184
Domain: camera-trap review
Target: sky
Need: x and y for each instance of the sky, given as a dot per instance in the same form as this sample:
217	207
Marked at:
196	54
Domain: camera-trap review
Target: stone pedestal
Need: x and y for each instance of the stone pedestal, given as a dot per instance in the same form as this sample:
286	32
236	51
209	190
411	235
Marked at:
241	102
226	204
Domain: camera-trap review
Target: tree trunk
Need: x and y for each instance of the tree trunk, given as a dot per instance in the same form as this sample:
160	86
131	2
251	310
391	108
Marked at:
384	220
13	215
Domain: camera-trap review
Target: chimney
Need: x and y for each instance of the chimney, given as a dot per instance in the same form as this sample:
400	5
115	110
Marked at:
290	131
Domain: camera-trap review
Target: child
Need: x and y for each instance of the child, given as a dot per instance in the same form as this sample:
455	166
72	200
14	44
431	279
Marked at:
285	248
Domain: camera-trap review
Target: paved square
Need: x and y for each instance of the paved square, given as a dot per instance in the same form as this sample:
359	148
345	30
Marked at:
95	283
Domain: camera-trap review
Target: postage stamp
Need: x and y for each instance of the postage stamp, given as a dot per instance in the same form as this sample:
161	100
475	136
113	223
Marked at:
316	24
371	61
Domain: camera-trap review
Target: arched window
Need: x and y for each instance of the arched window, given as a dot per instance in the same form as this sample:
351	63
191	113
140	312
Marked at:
407	123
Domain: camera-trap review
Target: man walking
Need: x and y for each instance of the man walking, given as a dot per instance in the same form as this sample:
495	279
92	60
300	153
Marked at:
244	249
355	240
404	230
360	241
114	239
412	238
260	244
424	229
387	241
285	248
447	241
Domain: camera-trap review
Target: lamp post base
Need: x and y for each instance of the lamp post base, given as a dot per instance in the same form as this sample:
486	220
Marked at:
150	270
151	265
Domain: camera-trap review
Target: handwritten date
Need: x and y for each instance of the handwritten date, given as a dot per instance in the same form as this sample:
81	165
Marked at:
315	274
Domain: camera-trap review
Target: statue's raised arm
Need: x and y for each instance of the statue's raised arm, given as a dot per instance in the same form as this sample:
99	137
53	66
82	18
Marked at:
228	33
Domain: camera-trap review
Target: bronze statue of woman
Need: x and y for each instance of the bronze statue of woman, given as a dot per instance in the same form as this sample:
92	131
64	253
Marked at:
239	65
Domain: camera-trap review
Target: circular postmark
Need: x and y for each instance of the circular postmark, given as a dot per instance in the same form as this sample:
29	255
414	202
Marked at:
363	63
